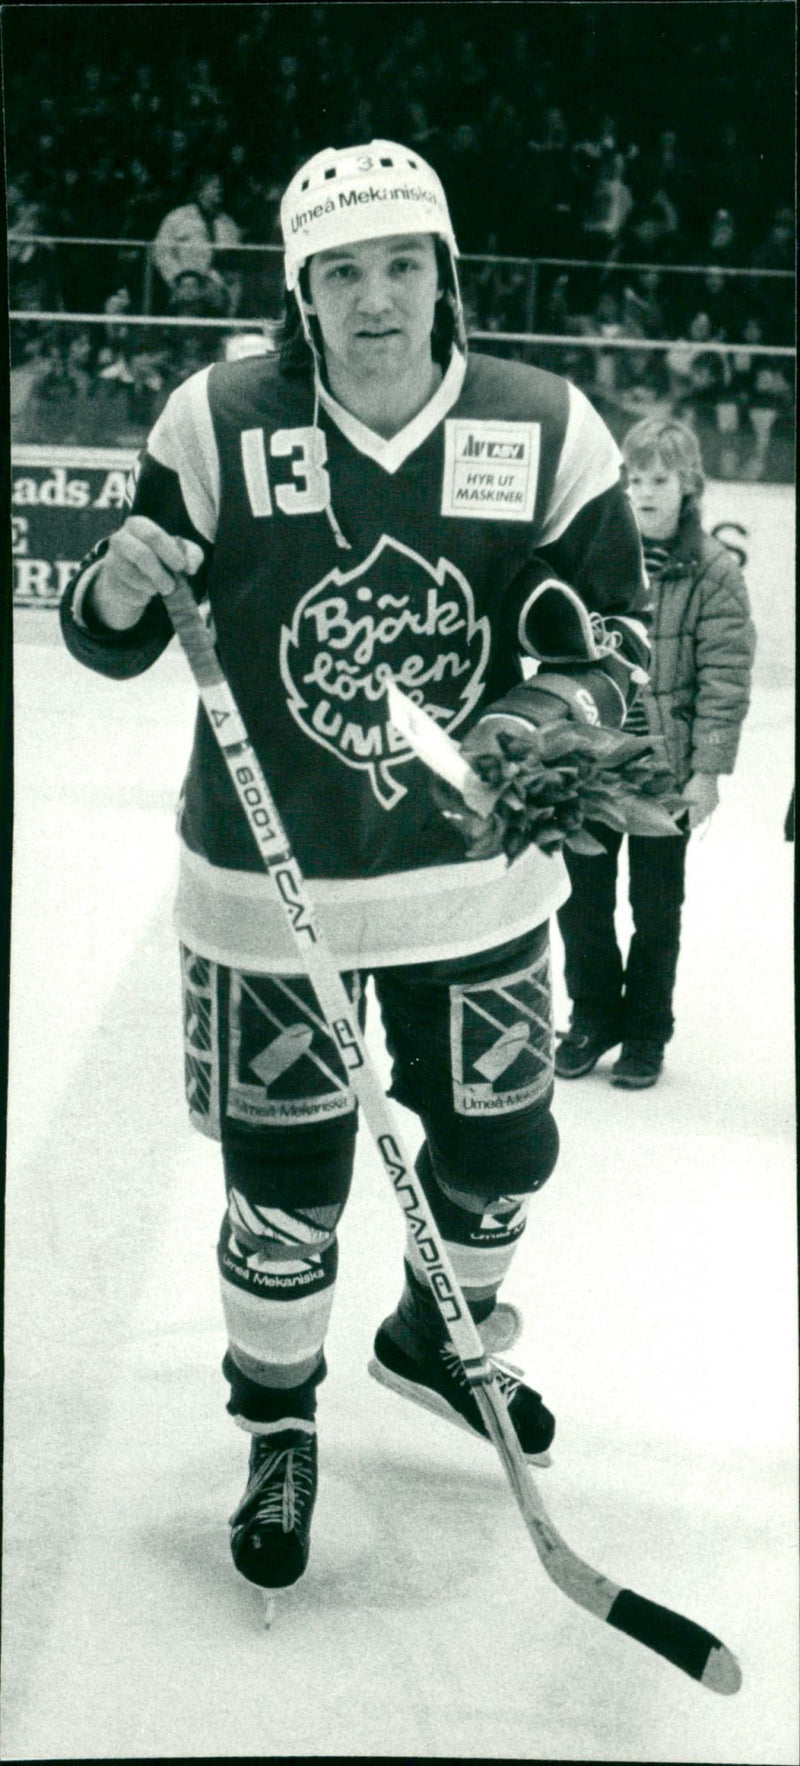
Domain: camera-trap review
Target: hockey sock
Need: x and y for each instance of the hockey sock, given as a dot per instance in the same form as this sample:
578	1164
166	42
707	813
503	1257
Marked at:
262	1409
277	1275
481	1234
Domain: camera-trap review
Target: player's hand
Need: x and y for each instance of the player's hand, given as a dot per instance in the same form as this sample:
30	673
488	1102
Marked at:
702	796
484	739
142	560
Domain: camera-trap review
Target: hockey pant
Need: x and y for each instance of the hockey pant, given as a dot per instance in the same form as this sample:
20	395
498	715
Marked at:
471	1045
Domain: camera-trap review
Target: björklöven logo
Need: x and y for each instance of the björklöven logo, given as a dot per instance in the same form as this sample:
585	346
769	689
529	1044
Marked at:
392	617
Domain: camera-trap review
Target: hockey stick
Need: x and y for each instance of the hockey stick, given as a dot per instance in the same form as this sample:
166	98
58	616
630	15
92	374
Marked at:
687	1645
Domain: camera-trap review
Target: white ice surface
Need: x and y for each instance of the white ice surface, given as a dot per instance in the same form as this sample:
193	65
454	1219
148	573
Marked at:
657	1279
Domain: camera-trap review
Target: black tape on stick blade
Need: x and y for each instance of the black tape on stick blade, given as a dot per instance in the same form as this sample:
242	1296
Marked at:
680	1640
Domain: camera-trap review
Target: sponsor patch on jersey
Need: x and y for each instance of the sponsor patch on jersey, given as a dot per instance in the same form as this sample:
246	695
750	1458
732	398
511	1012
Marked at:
501	1038
490	469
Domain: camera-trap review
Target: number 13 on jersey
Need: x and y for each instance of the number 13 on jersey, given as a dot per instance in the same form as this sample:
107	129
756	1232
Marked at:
308	451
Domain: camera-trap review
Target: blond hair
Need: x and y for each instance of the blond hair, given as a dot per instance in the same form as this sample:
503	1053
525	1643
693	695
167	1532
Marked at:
673	445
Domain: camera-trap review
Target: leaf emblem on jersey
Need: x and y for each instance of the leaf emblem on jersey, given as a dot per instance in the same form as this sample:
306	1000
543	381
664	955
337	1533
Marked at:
393	617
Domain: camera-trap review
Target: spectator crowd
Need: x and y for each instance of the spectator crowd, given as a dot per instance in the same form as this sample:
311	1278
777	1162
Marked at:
178	127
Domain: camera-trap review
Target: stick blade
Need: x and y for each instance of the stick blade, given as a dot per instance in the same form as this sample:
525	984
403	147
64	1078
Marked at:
687	1645
432	745
722	1672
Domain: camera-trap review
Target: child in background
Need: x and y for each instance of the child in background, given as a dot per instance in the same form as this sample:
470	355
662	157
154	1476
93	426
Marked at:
703	643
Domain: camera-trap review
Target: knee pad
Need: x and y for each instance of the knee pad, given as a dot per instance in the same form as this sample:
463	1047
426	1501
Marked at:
542	1155
286	1190
481	1231
514	1156
309	1165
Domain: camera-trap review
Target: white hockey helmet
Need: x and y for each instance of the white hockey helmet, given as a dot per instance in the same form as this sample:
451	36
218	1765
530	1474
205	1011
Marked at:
346	194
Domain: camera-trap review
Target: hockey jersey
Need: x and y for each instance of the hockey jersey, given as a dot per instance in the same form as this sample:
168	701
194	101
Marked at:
335	560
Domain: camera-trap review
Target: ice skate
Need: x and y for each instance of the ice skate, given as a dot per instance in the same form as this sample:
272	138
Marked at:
434	1378
270	1529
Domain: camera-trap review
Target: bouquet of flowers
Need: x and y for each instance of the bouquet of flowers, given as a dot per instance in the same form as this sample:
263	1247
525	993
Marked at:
550	781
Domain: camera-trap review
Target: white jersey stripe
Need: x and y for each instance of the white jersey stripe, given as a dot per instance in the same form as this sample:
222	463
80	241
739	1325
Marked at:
233	917
183	440
589	464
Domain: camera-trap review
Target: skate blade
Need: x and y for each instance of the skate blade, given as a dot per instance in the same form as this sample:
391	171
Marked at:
269	1608
429	1400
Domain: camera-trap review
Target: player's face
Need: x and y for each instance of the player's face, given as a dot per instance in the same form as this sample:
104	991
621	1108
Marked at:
375	303
656	494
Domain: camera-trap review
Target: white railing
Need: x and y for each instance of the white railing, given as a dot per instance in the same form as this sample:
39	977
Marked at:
556	339
529	295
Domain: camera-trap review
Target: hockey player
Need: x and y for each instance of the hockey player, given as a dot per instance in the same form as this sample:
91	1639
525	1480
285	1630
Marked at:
372	504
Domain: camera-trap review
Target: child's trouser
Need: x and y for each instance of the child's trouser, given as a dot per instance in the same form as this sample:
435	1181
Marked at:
632	998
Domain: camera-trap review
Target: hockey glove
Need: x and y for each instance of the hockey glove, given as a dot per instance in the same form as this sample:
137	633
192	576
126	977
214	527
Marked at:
551	780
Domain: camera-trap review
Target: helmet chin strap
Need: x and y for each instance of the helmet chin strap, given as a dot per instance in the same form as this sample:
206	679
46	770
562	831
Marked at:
304	312
308	334
343	544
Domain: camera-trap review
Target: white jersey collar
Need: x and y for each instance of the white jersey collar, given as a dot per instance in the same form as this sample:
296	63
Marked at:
391	453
